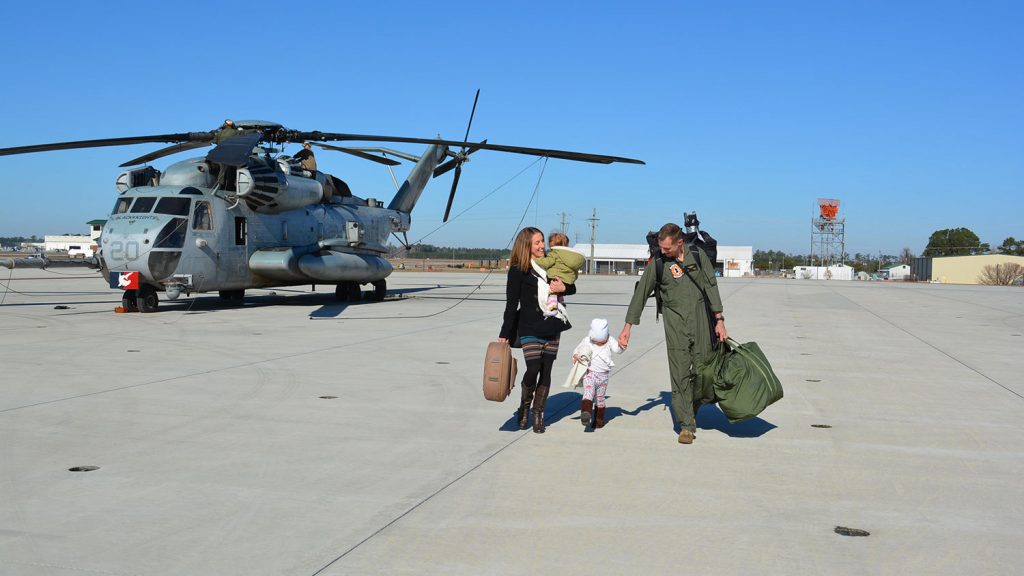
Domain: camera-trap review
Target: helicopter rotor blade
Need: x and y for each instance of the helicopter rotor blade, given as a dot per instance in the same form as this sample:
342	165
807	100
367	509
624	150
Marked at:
170	138
443	168
174	149
359	154
451	195
472	112
457	161
549	153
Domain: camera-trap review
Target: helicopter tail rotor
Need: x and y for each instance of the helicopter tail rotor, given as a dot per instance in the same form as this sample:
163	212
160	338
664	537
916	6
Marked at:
457	160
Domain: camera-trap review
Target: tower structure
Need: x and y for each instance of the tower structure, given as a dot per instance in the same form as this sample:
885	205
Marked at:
828	234
593	238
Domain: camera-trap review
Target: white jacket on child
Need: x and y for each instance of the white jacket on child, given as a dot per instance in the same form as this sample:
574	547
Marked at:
600	354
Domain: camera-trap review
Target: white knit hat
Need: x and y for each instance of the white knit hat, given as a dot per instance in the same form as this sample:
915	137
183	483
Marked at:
599	329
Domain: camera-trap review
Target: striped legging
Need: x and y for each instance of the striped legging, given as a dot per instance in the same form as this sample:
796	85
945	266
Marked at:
540	358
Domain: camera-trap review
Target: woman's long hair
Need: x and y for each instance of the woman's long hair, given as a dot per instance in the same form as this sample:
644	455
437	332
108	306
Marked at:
521	248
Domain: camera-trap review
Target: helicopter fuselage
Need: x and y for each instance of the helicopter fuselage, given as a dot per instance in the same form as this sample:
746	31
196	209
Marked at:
190	230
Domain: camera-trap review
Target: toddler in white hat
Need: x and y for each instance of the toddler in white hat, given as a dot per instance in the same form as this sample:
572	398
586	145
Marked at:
595	381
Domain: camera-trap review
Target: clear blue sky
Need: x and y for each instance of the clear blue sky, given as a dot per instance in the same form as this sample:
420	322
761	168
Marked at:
746	111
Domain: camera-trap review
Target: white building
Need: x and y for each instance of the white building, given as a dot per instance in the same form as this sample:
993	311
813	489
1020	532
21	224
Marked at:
732	261
897	272
614	258
95	229
736	261
73	245
76	245
836	272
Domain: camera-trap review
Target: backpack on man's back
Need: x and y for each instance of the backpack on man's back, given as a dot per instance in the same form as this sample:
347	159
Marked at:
696	240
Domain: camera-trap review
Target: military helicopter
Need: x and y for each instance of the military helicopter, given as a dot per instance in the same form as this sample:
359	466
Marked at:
245	216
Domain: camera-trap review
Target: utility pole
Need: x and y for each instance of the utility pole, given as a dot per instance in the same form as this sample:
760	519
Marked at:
593	238
565	222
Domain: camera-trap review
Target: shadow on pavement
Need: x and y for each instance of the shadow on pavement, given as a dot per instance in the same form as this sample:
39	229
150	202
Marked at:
709	417
566	404
559	405
712	418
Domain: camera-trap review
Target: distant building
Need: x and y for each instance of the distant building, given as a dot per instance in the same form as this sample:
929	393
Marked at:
73	245
921	269
76	245
96	228
897	272
733	261
615	258
836	272
960	269
736	261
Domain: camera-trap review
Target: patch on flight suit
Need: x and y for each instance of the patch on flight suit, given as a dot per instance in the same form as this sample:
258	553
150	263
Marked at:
676	271
692	267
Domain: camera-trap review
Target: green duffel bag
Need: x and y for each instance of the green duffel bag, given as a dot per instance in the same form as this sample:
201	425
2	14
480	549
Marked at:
742	379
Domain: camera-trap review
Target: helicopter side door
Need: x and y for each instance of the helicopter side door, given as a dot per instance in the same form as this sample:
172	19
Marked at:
202	258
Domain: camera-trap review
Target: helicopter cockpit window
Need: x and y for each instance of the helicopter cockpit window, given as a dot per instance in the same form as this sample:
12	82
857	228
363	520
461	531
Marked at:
172	235
122	205
173	205
143	204
202	218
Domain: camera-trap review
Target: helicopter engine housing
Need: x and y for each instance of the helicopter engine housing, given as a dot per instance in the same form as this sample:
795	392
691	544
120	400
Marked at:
193	172
269	192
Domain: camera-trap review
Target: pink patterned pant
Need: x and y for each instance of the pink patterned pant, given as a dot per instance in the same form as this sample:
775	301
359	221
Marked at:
595	385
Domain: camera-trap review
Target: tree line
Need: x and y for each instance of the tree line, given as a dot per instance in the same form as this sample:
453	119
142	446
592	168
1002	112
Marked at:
771	260
17	240
964	242
424	251
946	242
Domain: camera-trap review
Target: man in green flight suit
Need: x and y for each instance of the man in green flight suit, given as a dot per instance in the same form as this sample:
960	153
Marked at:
687	334
226	131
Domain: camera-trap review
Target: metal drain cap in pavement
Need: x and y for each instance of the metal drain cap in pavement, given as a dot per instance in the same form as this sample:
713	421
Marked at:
83	468
844	531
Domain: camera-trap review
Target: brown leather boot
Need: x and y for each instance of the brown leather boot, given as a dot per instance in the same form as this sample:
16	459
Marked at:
539	400
523	417
523	414
585	410
686	437
599	417
538	422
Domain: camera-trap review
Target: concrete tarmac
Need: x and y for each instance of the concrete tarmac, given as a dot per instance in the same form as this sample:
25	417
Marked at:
299	436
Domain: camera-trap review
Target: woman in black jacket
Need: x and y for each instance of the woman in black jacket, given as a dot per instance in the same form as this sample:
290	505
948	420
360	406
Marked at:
537	334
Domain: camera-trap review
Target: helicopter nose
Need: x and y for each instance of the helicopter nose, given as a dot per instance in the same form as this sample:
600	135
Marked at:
135	244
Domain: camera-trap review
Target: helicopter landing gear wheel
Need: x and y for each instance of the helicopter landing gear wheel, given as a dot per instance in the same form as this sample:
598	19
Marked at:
147	298
348	292
380	289
233	297
130	301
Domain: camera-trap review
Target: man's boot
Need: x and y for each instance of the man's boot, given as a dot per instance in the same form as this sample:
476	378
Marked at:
686	436
585	409
523	414
539	399
599	417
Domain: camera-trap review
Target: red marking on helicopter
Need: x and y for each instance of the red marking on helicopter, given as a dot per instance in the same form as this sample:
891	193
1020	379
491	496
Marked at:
124	280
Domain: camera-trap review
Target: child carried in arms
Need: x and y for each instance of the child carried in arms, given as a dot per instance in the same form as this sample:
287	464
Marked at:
563	263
